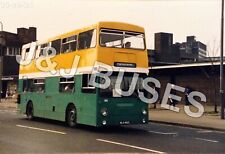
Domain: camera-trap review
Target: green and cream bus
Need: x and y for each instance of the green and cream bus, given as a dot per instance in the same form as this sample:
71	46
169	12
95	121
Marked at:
71	99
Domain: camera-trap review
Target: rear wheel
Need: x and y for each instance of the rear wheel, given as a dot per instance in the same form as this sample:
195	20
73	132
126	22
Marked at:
30	111
71	116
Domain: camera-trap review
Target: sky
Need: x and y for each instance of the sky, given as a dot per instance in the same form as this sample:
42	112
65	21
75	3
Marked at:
181	17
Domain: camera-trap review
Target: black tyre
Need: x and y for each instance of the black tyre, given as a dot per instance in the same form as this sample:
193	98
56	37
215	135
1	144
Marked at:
30	111
71	116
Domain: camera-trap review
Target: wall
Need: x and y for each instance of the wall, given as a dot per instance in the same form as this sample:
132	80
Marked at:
204	79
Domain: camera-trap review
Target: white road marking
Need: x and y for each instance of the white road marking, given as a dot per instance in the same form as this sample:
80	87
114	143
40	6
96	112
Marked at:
204	131
131	146
162	133
208	140
187	127
41	129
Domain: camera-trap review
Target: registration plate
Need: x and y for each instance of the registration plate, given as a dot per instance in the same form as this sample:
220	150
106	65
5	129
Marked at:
124	122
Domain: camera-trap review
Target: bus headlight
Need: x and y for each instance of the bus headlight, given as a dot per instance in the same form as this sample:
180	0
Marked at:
144	112
104	122
143	120
104	112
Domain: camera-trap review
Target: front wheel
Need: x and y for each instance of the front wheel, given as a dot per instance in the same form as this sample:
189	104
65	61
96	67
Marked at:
71	117
30	111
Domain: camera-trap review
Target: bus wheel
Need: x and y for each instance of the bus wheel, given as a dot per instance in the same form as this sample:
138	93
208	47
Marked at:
71	117
30	111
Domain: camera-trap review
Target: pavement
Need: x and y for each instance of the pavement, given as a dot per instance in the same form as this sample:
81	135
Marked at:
8	103
209	120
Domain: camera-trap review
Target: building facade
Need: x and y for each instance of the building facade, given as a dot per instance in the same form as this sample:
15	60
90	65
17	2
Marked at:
166	52
192	50
202	77
10	46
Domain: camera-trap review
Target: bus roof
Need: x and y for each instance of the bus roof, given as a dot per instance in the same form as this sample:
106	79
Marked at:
121	26
101	24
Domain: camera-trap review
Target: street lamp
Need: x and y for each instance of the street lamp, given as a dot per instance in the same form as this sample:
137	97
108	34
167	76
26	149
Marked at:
1	61
221	64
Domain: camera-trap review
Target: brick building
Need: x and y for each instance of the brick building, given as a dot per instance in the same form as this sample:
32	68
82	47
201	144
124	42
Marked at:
10	46
202	77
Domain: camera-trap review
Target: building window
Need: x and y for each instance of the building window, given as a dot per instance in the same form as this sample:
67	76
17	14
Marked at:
87	39
69	44
86	88
8	51
17	51
12	51
66	85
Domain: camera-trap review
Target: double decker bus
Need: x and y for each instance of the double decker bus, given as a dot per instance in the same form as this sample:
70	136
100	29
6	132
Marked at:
72	99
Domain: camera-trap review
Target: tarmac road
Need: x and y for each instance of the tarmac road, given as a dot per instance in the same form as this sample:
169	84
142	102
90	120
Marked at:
18	135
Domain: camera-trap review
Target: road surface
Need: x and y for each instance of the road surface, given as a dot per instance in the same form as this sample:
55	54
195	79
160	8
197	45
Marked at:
19	135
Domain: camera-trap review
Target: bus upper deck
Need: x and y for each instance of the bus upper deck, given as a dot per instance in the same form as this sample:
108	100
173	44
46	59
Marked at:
112	43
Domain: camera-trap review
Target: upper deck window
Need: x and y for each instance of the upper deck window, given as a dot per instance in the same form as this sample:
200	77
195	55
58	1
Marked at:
87	39
69	44
122	39
42	48
56	45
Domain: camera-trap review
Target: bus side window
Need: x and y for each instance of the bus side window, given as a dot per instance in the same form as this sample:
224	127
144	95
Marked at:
86	88
66	84
38	85
56	44
37	54
28	85
25	85
69	44
43	46
87	39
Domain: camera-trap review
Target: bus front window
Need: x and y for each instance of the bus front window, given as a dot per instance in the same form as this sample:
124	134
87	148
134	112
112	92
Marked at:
122	39
124	86
134	40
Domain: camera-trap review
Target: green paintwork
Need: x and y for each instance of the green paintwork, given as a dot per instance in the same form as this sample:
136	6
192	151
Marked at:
88	105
